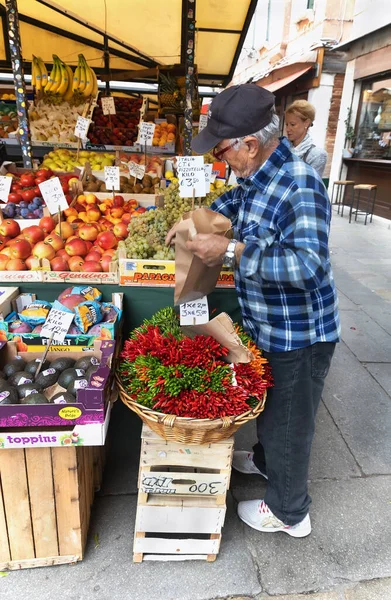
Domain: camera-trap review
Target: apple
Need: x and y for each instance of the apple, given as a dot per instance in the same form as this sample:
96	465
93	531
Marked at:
91	199
93	255
20	249
34	234
126	218
96	248
63	253
54	240
82	199
3	261
64	230
16	264
58	263
72	300
120	230
89	245
70	212
3	241
93	214
75	264
88	232
29	261
76	247
44	250
118	201
9	228
107	240
47	224
91	266
116	212
105	262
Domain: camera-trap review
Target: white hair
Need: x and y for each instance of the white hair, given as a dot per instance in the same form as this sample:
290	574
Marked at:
265	135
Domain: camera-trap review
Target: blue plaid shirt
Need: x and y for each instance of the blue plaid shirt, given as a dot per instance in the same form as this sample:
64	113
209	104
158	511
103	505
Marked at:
284	279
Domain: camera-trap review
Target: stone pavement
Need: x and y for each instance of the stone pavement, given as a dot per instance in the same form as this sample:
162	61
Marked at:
348	554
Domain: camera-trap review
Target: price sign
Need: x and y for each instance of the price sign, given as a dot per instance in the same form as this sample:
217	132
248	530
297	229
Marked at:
136	170
57	322
108	105
208	177
232	179
202	122
112	178
5	186
194	313
81	129
191	176
145	133
53	195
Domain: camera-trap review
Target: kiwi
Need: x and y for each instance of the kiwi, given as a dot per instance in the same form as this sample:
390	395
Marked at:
68	376
124	179
63	398
47	378
60	364
32	365
20	378
9	396
137	189
77	384
85	362
155	181
28	388
14	365
35	399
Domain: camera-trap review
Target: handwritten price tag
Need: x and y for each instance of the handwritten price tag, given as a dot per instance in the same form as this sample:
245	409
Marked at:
58	322
202	122
5	186
108	105
136	170
53	195
191	176
145	133
208	177
112	178
194	313
81	129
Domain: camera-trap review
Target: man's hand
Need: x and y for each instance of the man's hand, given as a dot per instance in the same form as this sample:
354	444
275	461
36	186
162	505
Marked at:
210	248
170	237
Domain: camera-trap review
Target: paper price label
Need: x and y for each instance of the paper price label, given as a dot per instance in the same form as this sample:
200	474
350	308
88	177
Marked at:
136	170
191	176
5	186
232	179
53	195
108	105
57	322
146	131
81	129
194	313
112	178
202	122
208	177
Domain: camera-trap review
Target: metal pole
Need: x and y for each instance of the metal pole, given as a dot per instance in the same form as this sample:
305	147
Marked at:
190	7
106	56
20	85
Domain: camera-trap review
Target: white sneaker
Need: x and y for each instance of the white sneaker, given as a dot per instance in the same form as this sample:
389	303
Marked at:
258	515
243	462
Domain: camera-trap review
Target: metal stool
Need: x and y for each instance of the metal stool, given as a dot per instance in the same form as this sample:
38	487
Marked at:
341	193
370	205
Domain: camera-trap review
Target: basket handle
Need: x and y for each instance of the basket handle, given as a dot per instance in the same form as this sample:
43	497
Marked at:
169	420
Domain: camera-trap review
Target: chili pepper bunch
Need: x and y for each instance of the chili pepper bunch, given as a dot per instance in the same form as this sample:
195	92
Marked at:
188	377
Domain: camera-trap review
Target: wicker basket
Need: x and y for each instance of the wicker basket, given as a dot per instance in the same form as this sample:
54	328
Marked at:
189	431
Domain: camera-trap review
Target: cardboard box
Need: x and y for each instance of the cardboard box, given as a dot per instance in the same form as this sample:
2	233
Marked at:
91	402
7	295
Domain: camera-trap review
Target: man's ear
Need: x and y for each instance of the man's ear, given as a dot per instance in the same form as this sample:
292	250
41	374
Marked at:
253	146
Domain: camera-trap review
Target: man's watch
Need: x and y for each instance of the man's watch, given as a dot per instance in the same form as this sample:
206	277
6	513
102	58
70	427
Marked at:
229	256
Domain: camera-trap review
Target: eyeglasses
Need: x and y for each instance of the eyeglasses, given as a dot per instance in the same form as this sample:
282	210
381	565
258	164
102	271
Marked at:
219	153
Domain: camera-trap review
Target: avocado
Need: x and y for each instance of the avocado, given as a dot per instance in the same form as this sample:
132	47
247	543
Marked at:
28	388
47	378
14	365
85	362
68	376
63	398
90	371
2	376
9	396
32	366
35	399
62	363
20	378
77	384
3	385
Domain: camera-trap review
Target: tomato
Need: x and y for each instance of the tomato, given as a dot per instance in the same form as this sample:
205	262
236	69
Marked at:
43	174
37	192
27	180
16	198
39	180
15	187
28	195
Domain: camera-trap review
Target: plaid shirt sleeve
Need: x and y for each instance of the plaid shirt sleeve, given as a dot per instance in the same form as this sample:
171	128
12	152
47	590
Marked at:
296	253
228	205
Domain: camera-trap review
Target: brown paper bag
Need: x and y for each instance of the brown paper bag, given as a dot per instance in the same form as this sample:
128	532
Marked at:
222	329
193	279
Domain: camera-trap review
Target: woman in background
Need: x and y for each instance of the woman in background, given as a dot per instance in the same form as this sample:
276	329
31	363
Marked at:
299	116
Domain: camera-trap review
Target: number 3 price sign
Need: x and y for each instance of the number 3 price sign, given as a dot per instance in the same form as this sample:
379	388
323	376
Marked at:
191	176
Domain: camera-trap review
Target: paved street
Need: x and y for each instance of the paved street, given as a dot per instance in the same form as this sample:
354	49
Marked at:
348	554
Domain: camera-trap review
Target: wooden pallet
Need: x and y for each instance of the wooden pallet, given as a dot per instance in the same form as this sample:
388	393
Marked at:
45	504
181	500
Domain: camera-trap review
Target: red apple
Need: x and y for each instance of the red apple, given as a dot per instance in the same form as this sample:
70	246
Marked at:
47	224
16	264
29	261
91	266
54	240
96	248
75	264
126	218
76	247
3	261
88	232
118	201
9	228
110	252
20	249
89	245
105	262
93	255
120	230
34	234
63	254
107	240
66	230
6	251
44	250
58	263
116	213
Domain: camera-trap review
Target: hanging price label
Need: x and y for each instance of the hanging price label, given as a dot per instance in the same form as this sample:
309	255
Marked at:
57	322
191	176
112	178
81	129
146	131
202	122
208	177
5	186
53	195
108	105
194	313
136	170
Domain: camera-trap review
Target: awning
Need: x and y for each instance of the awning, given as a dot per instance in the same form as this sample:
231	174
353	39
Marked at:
280	83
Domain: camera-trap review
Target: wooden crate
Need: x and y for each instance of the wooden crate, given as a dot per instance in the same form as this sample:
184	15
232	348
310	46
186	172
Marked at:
45	504
181	500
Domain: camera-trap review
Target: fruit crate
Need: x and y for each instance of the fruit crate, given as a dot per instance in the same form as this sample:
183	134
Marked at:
46	496
182	492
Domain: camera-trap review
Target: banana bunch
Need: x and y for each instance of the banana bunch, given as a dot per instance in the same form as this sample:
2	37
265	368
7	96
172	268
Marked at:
39	74
59	85
85	82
